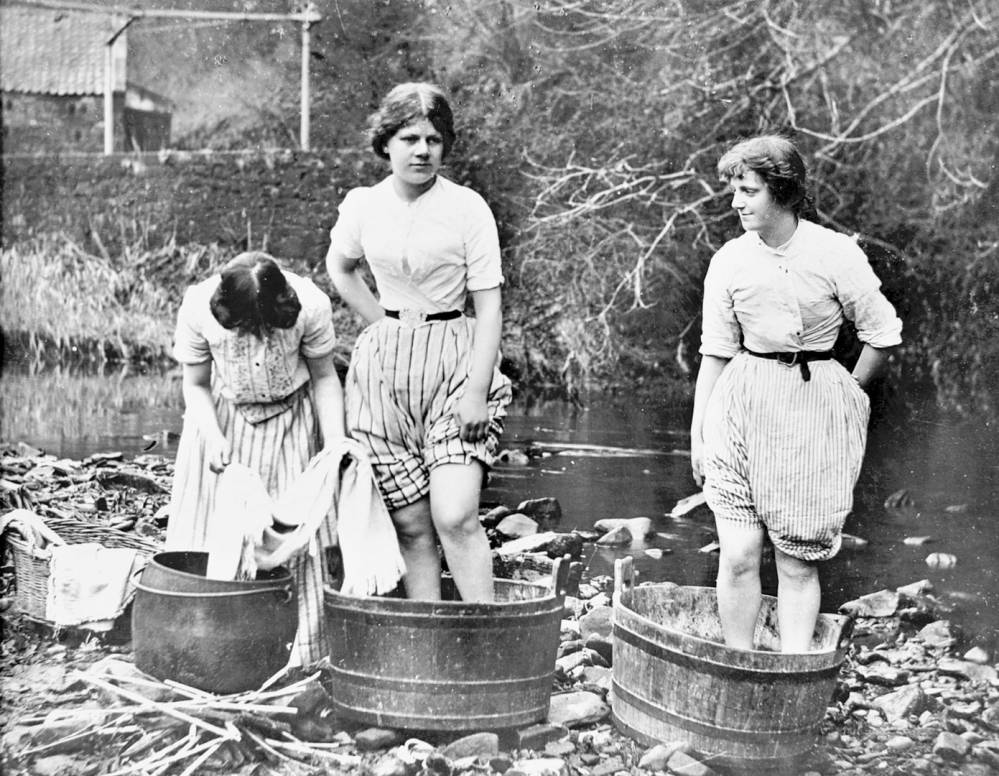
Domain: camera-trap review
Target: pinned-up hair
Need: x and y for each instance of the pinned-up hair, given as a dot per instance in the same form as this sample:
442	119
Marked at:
405	104
778	163
254	295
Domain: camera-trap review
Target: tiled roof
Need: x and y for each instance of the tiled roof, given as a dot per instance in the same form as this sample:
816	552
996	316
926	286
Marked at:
43	51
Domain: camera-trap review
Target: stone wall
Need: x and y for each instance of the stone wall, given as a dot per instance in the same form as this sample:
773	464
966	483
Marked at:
282	202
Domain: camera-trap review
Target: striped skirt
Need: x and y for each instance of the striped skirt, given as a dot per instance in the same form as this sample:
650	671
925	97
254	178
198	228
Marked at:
278	450
401	391
785	454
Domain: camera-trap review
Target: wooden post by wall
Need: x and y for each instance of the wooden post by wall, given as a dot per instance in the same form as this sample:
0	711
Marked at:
109	97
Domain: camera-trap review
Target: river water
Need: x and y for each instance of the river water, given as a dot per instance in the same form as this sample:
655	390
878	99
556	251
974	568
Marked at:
626	458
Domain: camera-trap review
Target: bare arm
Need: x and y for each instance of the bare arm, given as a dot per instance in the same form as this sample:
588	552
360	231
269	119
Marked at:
707	375
199	409
471	409
346	277
329	398
870	365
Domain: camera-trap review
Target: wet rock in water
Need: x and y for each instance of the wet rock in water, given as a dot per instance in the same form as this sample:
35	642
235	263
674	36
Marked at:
570	544
941	560
900	704
977	655
900	498
656	758
682	764
883	603
710	547
851	542
617	537
638	527
546	511
517	526
527	544
536	736
492	518
915	589
688	504
951	746
599	621
514	457
371	739
574	709
917	541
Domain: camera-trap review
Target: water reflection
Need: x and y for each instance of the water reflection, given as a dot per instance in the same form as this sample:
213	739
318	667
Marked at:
949	469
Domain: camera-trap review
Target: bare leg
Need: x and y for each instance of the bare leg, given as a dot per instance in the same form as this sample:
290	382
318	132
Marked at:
454	500
419	550
739	590
798	600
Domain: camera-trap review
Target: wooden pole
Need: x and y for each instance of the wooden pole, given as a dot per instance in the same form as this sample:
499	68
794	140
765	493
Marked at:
303	138
109	97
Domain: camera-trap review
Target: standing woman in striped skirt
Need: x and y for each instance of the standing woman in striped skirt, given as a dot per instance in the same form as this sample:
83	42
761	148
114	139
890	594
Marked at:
779	428
424	393
260	389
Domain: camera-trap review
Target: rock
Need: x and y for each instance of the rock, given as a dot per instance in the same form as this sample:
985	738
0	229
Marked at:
608	766
617	537
567	646
599	621
937	634
688	504
655	553
484	745
883	603
587	591
887	676
517	526
597	676
390	765
849	541
56	765
656	758
965	669
991	716
710	547
917	541
60	724
370	739
682	764
542	766
501	763
564	665
951	746
602	645
492	518
514	457
915	589
899	743
898	705
638	527
900	498
574	709
536	736
570	544
17	738
561	748
437	763
546	511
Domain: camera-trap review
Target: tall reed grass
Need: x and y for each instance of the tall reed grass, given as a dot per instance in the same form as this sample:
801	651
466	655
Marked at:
61	301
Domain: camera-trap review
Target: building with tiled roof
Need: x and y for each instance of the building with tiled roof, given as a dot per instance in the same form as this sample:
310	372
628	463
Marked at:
52	73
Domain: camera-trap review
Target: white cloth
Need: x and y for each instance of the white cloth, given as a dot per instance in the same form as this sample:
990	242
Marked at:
793	298
337	490
425	254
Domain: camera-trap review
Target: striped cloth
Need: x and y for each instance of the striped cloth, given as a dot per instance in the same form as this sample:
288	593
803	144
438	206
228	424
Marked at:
278	450
784	453
401	389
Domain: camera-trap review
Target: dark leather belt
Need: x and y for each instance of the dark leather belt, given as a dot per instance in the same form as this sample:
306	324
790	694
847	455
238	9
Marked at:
416	317
799	357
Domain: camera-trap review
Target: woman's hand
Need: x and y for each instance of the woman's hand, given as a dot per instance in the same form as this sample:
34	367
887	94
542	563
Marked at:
472	413
217	451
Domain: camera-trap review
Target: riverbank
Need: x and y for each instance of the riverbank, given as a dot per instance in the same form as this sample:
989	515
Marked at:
912	696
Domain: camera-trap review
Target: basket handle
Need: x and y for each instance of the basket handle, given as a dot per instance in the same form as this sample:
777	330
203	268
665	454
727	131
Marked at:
564	571
624	575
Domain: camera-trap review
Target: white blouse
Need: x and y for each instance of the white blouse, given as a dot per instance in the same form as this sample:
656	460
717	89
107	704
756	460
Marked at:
426	254
794	297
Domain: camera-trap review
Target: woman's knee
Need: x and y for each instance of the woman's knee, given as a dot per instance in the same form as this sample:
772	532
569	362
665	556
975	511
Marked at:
451	521
413	524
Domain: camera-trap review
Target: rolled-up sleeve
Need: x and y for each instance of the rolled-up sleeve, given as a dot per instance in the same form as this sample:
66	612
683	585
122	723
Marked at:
482	249
189	343
859	292
720	332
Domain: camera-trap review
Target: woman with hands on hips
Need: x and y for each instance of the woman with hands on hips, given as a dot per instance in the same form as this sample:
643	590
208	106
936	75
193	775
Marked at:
779	427
424	393
260	389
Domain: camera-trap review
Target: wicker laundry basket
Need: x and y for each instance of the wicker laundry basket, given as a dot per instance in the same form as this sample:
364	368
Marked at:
31	563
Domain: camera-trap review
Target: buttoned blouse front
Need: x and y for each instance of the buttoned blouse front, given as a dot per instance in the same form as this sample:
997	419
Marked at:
249	370
426	254
794	297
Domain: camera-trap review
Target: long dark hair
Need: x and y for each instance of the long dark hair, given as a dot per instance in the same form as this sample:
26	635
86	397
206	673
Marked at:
778	163
254	296
405	104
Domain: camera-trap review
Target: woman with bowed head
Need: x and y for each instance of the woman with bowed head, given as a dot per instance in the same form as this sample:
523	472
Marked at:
260	389
424	393
779	428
